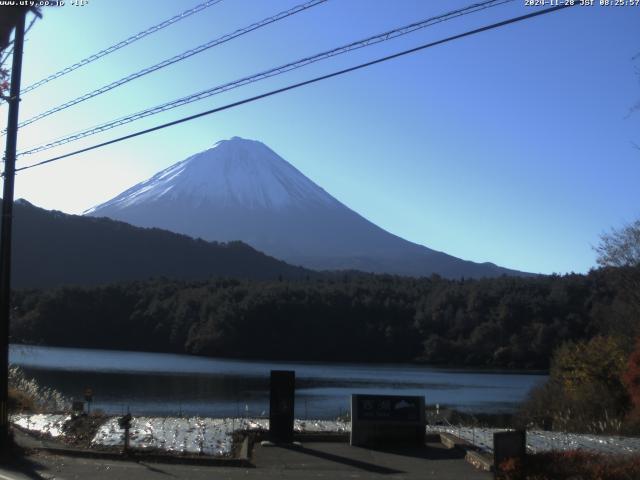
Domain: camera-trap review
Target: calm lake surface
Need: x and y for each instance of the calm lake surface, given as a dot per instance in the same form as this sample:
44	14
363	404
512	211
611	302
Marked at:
166	384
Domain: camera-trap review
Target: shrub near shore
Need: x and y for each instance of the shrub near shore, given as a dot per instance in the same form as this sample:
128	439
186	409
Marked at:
26	395
592	387
572	465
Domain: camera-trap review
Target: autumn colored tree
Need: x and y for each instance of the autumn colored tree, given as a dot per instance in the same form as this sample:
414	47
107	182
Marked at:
8	21
599	360
585	390
590	374
631	378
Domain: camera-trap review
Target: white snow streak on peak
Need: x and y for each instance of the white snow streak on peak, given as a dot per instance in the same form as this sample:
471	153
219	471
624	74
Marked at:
235	171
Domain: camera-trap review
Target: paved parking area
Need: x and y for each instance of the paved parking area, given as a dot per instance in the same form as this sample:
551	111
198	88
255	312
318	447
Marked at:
310	460
340	460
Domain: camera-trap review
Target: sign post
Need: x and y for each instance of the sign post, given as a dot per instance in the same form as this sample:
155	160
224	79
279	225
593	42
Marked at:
281	406
125	423
88	396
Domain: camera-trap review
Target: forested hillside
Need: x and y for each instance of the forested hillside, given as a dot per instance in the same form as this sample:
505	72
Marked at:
52	248
504	322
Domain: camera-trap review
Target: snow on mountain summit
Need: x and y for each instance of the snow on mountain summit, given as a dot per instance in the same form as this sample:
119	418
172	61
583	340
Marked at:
242	190
233	172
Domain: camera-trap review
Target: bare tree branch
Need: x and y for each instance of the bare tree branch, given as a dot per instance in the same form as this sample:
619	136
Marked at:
620	248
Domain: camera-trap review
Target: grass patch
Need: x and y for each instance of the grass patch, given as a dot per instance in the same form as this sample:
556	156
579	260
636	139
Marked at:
26	395
20	401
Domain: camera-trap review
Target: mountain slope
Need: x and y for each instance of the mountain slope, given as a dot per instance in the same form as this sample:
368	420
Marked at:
52	248
242	190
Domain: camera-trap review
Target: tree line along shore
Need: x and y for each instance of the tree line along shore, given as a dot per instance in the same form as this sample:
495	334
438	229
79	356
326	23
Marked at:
581	328
506	322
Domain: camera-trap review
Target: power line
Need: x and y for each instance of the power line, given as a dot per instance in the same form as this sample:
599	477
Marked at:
174	59
382	37
123	43
302	84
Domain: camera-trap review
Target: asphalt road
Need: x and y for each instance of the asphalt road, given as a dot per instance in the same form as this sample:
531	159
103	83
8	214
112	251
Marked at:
314	460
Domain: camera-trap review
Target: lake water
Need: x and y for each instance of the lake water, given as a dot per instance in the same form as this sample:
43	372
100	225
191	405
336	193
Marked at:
167	384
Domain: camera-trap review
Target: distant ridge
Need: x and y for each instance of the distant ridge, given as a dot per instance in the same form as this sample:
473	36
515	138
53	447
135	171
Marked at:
51	248
242	190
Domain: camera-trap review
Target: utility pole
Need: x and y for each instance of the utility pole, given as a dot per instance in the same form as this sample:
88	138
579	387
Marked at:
5	233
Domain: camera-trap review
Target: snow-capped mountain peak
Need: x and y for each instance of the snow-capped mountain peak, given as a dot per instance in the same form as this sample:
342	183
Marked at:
233	172
242	190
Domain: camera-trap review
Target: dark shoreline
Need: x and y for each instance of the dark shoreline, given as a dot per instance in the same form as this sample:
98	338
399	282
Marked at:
453	368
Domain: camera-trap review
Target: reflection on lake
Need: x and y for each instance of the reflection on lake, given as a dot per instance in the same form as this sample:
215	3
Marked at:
167	384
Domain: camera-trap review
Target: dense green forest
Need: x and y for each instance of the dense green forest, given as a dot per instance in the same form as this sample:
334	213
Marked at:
505	322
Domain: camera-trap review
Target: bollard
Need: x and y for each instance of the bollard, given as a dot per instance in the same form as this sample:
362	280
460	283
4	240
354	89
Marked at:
508	444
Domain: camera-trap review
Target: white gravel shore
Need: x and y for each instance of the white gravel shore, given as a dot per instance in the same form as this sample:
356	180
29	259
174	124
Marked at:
540	441
213	436
194	435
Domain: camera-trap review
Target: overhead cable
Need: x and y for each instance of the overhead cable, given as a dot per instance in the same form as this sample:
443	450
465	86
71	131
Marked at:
174	59
300	84
382	37
123	43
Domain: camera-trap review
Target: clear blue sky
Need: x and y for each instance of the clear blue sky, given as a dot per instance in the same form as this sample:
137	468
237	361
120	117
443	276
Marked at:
513	146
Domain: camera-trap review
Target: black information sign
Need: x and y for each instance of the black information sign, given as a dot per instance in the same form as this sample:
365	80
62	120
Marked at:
387	420
283	384
388	407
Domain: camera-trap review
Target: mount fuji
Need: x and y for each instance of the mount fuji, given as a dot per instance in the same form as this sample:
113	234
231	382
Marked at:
242	190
